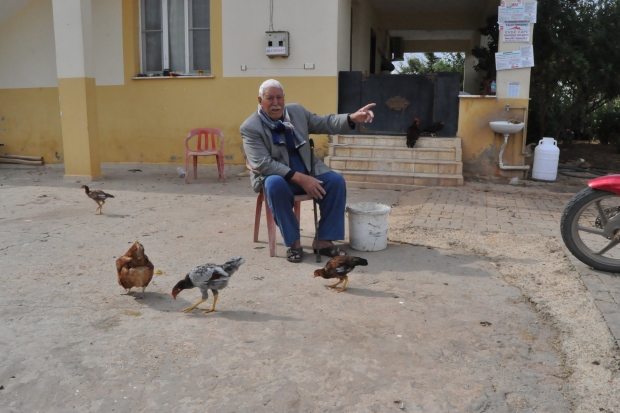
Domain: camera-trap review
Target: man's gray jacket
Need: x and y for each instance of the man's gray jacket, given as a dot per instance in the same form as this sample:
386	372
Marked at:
270	159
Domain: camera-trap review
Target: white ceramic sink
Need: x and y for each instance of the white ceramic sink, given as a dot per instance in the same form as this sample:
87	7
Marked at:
504	127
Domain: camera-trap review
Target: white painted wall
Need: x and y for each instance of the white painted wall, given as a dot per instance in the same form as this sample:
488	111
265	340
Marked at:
73	32
27	48
515	75
8	9
363	21
344	35
313	28
108	36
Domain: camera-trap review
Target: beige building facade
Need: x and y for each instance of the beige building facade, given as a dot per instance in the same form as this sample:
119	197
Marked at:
71	88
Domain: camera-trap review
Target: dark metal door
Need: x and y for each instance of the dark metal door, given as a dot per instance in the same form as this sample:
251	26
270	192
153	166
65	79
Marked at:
400	99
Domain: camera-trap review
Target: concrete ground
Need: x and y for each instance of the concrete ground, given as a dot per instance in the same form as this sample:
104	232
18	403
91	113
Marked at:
453	324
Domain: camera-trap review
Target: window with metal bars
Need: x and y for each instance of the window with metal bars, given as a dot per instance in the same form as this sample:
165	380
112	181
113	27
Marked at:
175	35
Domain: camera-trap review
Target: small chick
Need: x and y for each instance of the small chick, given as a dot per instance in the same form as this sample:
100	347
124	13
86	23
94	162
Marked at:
339	267
134	269
97	195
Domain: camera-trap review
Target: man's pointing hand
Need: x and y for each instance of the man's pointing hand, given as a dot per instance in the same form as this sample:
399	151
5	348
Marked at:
364	115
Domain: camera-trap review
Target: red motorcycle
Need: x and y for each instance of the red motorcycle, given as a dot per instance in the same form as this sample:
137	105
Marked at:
590	224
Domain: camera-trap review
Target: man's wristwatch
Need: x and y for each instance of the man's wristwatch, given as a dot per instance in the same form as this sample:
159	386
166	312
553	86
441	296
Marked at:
351	123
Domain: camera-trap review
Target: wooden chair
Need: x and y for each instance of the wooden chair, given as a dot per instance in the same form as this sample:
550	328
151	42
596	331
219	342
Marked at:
271	223
206	146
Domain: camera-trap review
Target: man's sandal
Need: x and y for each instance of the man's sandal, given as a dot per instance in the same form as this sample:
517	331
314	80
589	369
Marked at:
331	251
294	254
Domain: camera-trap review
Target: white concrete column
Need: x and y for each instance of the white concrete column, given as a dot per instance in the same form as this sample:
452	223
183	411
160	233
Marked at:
471	81
75	64
514	75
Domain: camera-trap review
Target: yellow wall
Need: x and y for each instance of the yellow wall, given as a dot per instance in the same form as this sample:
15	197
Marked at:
30	123
147	120
80	132
480	144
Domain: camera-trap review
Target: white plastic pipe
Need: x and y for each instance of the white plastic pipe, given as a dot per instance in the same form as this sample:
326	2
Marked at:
501	162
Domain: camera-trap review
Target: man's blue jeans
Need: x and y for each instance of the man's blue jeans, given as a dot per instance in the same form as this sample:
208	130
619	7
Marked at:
281	198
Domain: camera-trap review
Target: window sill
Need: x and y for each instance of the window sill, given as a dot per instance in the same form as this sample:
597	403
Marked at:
477	96
172	77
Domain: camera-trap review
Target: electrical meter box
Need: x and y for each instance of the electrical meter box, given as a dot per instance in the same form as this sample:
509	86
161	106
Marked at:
277	44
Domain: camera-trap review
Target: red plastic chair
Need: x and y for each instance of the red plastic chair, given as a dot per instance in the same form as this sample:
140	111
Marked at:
206	146
271	223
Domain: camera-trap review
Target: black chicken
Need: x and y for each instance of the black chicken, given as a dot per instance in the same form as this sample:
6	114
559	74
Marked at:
208	277
97	195
339	267
413	133
433	128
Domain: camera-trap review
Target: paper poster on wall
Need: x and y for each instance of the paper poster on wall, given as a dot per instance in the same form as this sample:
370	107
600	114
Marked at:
518	11
527	56
508	60
505	14
517	31
513	89
518	59
530	10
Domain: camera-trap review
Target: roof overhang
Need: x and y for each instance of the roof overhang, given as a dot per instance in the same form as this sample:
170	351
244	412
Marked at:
391	6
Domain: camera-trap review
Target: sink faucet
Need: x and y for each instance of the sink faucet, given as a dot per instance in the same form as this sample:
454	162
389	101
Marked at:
507	107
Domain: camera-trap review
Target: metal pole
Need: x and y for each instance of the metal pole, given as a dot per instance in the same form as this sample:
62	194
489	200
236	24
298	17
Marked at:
316	221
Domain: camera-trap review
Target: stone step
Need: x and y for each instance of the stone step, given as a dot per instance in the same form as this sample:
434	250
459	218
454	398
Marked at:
387	187
395	141
393	153
344	163
356	178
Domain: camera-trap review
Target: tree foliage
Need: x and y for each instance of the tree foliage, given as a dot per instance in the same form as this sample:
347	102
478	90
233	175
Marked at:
431	64
577	66
486	55
577	72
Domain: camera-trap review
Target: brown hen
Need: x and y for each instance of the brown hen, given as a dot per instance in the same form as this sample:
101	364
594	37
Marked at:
339	267
134	268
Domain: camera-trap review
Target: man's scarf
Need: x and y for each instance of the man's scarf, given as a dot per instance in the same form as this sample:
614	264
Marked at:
293	138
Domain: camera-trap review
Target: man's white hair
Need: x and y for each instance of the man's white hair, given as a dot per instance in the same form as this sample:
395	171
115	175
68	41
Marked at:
267	84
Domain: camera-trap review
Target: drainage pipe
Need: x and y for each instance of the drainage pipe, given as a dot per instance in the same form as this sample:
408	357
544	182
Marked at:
501	162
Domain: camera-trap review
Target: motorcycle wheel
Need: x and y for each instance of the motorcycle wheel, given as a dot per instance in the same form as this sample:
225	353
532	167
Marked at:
589	231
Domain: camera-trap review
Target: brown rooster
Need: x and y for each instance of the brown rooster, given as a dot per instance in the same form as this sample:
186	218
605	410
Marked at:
339	267
97	195
134	268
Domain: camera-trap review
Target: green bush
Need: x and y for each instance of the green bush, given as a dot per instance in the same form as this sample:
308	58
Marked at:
607	125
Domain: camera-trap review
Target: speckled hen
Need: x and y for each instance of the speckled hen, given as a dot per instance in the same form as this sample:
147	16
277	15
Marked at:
207	277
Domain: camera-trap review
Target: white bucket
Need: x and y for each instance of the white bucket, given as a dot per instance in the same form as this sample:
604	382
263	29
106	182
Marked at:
546	159
368	226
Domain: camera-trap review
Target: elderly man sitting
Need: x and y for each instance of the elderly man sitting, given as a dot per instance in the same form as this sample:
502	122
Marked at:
275	139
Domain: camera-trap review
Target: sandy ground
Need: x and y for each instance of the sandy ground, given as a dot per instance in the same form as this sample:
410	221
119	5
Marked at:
463	326
538	266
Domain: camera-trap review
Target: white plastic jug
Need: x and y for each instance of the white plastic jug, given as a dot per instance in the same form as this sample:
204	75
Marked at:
368	226
546	159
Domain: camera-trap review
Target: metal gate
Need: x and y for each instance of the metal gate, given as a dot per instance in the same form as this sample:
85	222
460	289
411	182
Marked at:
400	99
